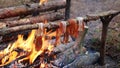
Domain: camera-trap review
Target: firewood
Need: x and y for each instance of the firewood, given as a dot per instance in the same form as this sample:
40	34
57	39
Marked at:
50	26
62	47
64	58
86	59
37	19
27	10
7	30
93	17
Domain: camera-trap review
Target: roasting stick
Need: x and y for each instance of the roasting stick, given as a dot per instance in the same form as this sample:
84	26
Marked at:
50	25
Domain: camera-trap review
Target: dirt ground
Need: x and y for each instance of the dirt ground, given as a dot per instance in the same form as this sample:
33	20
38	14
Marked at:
84	7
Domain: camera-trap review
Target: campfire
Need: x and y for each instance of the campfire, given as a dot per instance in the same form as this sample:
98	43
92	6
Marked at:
39	45
45	40
27	48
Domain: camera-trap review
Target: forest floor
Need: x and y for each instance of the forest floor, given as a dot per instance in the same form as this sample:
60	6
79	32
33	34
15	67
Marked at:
92	39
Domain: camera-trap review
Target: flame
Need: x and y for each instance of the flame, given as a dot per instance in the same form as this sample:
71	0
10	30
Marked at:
27	45
9	58
42	2
30	46
42	65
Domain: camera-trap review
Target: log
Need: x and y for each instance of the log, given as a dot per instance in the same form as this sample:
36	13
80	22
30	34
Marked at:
86	59
111	12
53	25
30	8
69	59
37	19
32	20
62	47
70	51
7	30
64	58
92	17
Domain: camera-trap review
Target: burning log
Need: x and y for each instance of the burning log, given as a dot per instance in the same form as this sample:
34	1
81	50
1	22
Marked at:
30	8
13	60
32	20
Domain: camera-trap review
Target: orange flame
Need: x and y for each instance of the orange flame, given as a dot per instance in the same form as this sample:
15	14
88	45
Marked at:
42	2
27	45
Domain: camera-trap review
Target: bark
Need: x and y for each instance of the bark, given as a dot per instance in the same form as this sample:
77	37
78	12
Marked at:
37	19
62	47
64	58
53	25
93	17
7	30
30	8
86	59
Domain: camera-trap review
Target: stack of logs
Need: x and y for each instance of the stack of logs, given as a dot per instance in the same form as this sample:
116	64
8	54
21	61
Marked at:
21	16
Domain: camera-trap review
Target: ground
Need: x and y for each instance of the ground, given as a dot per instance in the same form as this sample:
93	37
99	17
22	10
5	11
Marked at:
83	7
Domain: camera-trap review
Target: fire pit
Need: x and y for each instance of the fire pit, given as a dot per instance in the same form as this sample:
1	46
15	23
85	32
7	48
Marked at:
37	42
45	48
46	52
